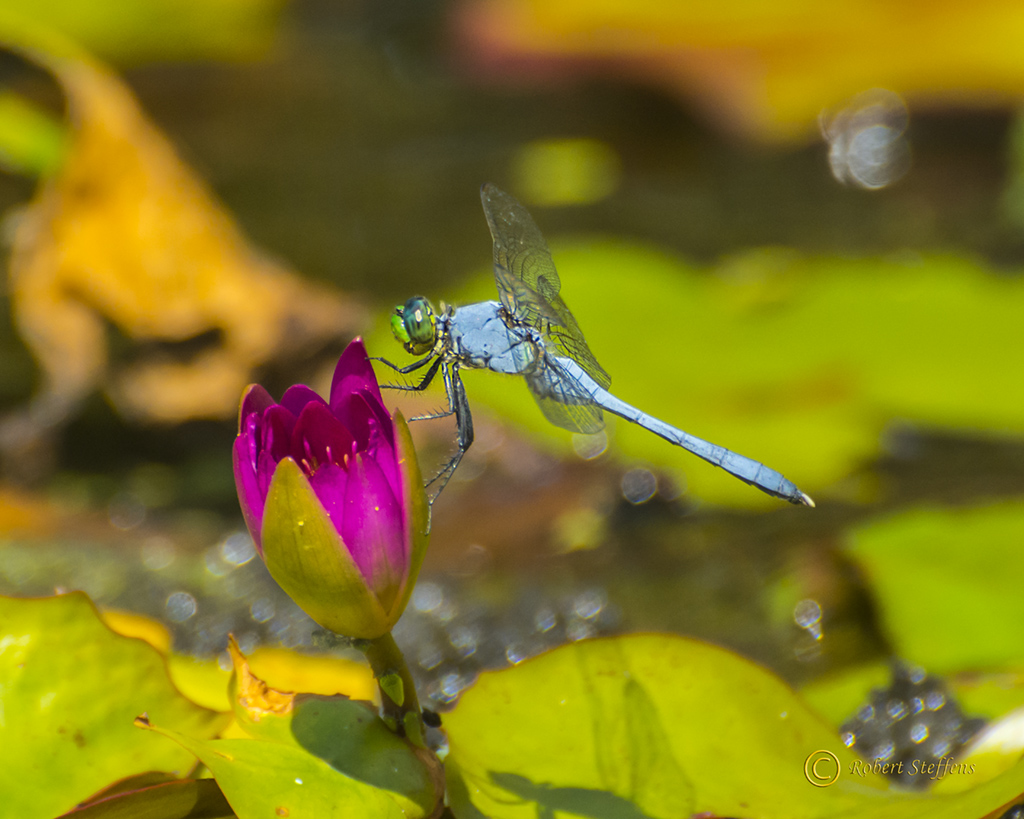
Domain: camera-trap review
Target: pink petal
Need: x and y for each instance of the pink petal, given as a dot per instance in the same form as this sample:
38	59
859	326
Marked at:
255	399
354	373
275	430
373	529
374	433
250	496
329	484
296	398
320	438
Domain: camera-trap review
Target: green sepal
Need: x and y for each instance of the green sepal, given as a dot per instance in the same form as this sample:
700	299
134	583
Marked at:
391	684
307	558
417	510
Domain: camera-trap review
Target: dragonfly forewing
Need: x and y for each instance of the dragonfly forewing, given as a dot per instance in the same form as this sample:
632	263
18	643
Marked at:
528	283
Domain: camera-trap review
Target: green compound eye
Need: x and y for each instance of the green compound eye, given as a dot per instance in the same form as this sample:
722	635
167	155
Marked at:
398	325
415	325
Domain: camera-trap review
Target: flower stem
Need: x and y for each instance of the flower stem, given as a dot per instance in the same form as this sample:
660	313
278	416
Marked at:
399	705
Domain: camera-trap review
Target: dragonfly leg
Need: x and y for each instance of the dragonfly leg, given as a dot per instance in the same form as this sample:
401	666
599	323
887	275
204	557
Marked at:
423	383
459	406
432	416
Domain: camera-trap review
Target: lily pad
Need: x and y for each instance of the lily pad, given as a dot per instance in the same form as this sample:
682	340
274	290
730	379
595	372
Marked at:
662	726
70	690
947	582
838	696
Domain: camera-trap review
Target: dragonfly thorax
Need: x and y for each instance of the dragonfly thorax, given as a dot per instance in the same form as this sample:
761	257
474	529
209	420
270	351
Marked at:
483	337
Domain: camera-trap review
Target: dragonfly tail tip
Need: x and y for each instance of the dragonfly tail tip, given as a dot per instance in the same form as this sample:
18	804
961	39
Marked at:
806	499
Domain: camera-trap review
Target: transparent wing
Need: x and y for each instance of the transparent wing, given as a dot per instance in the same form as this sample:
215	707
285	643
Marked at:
528	283
563	402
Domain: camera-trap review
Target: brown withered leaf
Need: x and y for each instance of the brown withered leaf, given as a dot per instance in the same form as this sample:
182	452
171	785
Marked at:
125	234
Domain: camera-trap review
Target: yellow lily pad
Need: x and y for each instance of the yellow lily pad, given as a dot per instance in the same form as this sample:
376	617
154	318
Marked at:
71	689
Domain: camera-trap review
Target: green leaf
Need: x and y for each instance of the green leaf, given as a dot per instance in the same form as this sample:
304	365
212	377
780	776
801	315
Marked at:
659	726
340	758
70	691
947	582
305	555
186	799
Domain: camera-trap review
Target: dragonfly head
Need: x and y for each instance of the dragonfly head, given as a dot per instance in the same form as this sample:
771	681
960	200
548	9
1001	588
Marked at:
415	325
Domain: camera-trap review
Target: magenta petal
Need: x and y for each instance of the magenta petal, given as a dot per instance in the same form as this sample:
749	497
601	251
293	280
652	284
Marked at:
368	421
297	397
256	399
354	373
329	483
275	432
373	529
251	497
320	438
374	433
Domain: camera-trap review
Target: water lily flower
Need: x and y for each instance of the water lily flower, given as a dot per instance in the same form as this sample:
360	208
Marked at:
333	497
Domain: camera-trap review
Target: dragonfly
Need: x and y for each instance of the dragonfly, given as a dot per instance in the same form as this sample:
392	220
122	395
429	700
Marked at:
530	332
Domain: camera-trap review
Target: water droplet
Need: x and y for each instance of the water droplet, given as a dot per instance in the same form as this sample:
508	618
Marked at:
589	447
214	562
126	511
515	653
544	620
427	597
157	553
465	640
638	486
807	615
884	751
588	604
180	606
429	656
578	630
262	609
897	709
237	549
867	140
